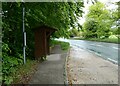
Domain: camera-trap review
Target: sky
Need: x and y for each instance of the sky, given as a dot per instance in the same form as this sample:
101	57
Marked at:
107	2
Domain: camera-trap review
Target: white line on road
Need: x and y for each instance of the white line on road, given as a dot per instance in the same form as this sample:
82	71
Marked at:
93	44
96	45
112	60
98	54
115	48
99	45
95	53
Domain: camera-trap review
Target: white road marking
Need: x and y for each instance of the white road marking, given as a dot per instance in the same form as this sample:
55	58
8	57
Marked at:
98	54
115	48
99	45
112	60
81	41
76	46
93	44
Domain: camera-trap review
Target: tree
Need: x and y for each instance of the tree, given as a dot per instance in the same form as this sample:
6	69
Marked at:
115	19
98	22
59	15
74	32
90	29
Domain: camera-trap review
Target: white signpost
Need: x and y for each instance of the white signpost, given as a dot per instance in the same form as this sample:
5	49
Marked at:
24	36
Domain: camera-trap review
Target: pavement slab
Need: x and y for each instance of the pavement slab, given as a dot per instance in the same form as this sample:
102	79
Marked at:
84	67
52	70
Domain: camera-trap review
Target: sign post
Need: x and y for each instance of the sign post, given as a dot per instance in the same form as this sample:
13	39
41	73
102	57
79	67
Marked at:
24	35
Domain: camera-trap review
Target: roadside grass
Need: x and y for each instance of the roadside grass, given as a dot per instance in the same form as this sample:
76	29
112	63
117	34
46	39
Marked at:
0	72
64	45
108	40
24	72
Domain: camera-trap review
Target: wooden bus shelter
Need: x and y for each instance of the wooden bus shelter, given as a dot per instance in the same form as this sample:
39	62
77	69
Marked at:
42	37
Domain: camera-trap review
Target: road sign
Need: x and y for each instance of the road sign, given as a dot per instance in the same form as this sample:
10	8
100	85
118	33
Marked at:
24	38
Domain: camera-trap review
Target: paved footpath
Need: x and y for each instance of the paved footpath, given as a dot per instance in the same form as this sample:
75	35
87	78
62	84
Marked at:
52	70
87	68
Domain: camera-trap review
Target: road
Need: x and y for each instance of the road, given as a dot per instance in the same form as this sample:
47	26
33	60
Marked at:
84	67
108	51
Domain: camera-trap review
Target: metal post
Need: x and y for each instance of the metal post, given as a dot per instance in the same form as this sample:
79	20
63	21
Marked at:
24	36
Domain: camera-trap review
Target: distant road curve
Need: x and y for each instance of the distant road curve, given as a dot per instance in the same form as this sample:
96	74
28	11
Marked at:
107	51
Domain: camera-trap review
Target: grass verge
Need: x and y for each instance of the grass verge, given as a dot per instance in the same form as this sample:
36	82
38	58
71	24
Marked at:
64	45
108	40
25	72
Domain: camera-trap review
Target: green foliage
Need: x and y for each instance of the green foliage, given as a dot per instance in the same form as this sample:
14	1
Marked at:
115	31
90	30
98	22
58	15
43	58
64	45
8	64
8	67
53	42
109	40
24	72
5	47
74	32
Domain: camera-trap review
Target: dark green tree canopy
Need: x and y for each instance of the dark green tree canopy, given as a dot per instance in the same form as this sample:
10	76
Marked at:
98	21
58	14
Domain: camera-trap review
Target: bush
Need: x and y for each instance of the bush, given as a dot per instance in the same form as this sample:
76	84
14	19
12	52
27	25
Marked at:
9	64
113	37
64	45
